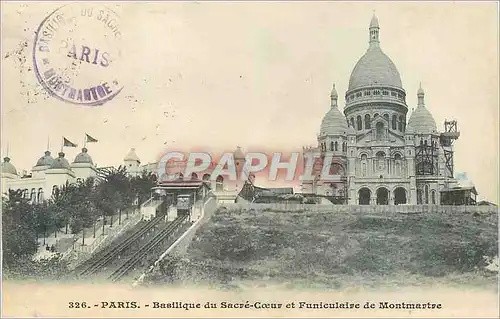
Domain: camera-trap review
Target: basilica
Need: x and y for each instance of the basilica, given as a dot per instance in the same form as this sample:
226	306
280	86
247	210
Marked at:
382	157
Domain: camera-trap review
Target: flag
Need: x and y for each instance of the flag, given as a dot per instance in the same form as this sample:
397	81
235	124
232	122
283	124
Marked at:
89	139
67	143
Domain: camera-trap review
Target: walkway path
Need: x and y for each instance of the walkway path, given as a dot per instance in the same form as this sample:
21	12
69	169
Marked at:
65	244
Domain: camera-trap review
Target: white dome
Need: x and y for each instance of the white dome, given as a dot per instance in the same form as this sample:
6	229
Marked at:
422	121
375	68
60	162
334	123
132	156
83	157
45	160
7	167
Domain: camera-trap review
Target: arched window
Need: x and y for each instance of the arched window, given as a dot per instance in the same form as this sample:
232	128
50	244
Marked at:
336	146
394	122
363	164
375	116
344	147
40	195
219	183
433	197
368	124
386	117
26	193
331	146
426	194
380	155
380	130
400	127
397	157
352	122
33	195
360	123
194	177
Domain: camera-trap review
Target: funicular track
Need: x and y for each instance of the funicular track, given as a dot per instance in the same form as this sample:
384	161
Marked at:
107	255
139	256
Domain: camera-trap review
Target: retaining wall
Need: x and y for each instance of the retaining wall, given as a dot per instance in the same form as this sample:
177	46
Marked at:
368	209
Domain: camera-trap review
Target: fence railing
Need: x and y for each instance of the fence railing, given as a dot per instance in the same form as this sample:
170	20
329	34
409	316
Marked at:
80	252
294	207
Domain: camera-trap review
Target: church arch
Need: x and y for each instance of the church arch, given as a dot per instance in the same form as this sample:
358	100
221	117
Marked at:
364	195
399	196
386	117
336	146
337	169
394	122
359	123
368	124
352	122
382	196
433	197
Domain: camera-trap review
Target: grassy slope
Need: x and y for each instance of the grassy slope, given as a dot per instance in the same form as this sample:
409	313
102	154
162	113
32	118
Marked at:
338	251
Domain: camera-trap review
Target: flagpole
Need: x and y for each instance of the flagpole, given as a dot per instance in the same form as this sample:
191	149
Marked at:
48	143
62	144
85	140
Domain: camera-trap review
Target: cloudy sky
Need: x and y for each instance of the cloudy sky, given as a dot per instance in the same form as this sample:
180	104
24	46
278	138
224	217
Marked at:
223	74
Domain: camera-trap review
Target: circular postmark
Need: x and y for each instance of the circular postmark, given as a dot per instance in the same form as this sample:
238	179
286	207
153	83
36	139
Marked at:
77	54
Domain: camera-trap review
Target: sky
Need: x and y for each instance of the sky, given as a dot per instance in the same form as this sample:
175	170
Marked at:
256	74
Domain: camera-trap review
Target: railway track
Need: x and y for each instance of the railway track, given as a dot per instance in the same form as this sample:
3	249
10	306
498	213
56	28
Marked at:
145	249
105	256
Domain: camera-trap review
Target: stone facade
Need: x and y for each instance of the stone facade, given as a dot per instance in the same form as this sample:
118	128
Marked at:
380	156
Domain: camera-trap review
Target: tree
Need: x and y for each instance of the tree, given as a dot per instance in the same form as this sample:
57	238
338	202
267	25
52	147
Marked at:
141	186
18	228
114	192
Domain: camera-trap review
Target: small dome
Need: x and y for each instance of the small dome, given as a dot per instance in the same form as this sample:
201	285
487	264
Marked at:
60	162
422	121
45	160
334	123
238	154
83	157
132	156
7	167
375	68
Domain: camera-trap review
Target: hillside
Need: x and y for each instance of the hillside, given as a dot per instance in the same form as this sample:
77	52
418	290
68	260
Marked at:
238	248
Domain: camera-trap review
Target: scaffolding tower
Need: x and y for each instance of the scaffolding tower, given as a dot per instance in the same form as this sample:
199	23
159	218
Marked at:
447	138
426	158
